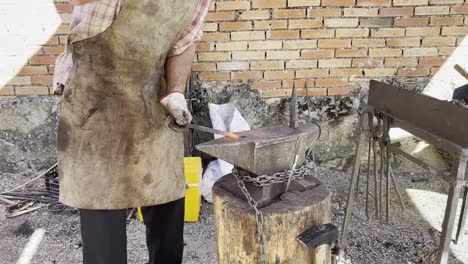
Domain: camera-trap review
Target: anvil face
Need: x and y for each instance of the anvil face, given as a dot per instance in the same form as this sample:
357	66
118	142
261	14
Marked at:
264	151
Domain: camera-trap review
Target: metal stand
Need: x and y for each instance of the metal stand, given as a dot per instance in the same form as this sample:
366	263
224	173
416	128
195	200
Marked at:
437	122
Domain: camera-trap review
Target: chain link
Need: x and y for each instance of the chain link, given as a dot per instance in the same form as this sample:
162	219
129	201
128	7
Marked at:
258	214
279	177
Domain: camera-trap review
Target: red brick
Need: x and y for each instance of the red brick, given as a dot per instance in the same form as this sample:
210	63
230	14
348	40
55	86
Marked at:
249	75
413	72
450	31
269	3
334	63
341	22
248	55
351	53
410	2
368	42
234	26
380	72
396	11
350	72
374	2
33	70
51	69
432	61
334	43
317	33
398	62
338	2
431	10
367	62
330	82
214	76
248	35
279	75
257	14
312	73
298	83
461	10
439	41
316	54
232	5
204	46
266	85
214	56
283	54
411	22
219	16
276	93
446	21
324	12
289	13
271	24
267	65
404	42
385	52
209	37
305	23
232	66
352	32
265	45
42	60
301	64
54	40
47	79
7	90
240	45
305	3
32	90
283	34
361	12
300	44
203	67
54	50
340	90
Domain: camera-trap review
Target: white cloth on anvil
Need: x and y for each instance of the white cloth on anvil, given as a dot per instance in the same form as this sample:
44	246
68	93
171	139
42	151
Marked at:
224	117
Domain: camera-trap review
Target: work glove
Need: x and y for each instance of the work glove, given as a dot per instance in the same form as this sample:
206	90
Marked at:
176	105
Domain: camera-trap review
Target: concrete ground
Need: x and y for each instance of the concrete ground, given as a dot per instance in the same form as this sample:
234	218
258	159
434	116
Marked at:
403	240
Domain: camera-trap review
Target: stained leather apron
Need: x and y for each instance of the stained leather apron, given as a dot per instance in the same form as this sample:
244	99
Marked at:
114	150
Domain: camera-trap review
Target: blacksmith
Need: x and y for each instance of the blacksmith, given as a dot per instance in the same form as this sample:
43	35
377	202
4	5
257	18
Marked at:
124	71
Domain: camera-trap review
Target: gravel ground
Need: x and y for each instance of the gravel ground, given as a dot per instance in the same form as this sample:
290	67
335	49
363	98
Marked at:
401	241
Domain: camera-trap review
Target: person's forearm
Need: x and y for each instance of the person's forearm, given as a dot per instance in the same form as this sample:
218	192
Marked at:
81	2
178	69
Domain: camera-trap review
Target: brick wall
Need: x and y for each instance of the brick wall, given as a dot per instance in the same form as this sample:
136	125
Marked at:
332	46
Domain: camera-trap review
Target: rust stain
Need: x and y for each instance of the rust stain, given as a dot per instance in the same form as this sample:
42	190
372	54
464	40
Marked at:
148	179
63	135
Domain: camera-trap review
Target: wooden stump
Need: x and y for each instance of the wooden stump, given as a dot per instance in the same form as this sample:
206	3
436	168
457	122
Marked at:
285	219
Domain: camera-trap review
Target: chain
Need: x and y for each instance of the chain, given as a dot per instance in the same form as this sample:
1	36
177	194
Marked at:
279	177
258	214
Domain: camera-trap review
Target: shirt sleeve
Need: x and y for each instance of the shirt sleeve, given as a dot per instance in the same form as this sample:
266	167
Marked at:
194	30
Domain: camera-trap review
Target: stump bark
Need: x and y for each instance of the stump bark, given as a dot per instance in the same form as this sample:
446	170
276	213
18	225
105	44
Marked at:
284	220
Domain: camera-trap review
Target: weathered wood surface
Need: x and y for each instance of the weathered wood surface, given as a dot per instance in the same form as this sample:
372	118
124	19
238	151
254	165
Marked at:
284	220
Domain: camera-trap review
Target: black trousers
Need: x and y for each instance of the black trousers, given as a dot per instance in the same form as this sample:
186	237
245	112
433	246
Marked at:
105	238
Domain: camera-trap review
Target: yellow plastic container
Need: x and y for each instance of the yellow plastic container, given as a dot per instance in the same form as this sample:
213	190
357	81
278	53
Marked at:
193	173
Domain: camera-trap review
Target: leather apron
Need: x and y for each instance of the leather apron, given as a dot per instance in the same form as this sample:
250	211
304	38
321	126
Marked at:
114	150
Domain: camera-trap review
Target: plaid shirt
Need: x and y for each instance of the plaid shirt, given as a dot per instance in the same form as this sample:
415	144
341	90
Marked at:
95	17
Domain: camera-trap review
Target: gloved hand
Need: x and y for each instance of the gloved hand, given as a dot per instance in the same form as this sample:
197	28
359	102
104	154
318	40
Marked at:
176	105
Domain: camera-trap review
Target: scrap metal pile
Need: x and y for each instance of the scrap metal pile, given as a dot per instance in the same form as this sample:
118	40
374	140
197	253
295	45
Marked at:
41	191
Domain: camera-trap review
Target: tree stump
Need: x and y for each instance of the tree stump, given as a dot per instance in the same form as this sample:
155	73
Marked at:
284	219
